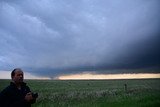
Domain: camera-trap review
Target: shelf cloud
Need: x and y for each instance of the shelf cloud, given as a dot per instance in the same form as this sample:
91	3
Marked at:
54	37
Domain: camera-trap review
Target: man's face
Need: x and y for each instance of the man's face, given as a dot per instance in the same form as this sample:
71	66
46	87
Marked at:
18	77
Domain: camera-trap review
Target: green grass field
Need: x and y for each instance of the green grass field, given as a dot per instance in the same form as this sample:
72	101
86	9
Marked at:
94	93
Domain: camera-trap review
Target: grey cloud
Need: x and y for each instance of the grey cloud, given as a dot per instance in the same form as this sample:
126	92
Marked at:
55	37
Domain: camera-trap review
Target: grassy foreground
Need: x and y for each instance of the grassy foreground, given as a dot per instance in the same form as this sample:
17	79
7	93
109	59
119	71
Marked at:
95	93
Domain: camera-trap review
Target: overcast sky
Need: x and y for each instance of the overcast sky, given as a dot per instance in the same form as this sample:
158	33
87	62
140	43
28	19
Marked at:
51	37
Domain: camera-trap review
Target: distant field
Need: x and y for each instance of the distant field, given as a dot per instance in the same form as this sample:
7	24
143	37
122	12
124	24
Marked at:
95	93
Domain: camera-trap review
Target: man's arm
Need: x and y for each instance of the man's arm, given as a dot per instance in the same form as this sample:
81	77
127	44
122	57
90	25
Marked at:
8	98
27	98
3	98
24	101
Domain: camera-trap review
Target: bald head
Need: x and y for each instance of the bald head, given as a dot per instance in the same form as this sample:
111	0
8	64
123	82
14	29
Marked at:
17	75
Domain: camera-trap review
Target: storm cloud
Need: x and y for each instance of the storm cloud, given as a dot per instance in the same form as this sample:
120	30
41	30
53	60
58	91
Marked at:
51	37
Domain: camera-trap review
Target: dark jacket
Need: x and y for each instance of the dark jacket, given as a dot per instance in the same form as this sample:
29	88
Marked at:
11	96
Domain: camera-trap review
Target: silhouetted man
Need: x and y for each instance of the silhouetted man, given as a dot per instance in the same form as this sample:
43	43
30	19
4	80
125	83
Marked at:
17	94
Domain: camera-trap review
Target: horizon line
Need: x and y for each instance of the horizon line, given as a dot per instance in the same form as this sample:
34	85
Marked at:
85	76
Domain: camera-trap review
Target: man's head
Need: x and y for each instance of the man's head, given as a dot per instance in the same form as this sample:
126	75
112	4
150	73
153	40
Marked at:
17	75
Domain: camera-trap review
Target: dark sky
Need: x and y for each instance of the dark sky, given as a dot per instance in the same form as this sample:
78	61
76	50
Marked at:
53	37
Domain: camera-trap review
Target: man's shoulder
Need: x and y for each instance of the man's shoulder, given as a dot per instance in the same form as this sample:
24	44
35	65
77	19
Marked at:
10	86
6	89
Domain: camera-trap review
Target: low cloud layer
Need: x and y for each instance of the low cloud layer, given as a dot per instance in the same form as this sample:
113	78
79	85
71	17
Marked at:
53	37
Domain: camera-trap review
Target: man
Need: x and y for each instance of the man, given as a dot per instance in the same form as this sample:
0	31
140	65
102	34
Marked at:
17	94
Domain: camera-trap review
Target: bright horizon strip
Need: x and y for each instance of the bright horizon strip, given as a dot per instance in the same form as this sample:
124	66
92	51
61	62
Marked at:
85	76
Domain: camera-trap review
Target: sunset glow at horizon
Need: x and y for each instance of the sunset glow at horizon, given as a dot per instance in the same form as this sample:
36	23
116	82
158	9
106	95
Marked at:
85	76
109	76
